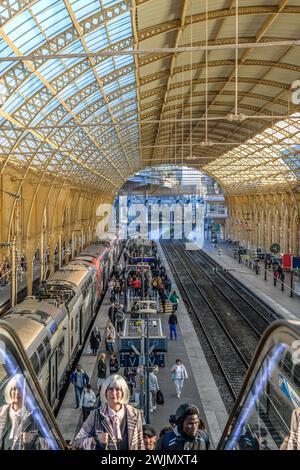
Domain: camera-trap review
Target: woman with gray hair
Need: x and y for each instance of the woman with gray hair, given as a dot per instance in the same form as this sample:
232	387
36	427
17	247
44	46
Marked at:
116	425
17	427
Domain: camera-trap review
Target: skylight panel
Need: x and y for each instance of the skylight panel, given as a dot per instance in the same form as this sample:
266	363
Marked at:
68	91
54	103
126	79
84	9
13	103
109	3
24	32
51	69
31	86
85	79
5	51
111	87
292	129
120	27
106	67
97	40
122	61
52	16
91	99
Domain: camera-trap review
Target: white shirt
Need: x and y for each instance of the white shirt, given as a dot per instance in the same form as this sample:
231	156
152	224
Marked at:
16	417
88	398
116	418
180	371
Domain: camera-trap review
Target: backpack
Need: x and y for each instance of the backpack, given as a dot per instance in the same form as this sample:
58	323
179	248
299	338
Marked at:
159	397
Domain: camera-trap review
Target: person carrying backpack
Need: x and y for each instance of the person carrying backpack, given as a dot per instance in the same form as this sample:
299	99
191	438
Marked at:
172	323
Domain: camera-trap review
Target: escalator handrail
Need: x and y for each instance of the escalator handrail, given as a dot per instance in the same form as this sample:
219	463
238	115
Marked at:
26	362
278	332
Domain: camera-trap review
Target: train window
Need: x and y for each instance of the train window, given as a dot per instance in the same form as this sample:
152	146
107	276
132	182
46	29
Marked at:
47	346
72	324
296	376
42	354
35	363
287	364
61	350
76	323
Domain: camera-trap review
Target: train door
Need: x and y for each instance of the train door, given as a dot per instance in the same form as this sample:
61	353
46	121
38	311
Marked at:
52	390
35	412
80	328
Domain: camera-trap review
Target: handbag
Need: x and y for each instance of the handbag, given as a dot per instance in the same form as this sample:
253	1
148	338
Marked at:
173	375
159	397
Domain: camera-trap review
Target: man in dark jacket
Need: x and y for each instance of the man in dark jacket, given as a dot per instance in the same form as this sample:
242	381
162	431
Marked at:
186	435
173	322
112	313
79	379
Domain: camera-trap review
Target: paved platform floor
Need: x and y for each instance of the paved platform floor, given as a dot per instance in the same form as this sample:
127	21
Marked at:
199	389
280	301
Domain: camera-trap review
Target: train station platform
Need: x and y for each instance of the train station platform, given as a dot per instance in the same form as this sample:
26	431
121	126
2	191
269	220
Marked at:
273	296
199	389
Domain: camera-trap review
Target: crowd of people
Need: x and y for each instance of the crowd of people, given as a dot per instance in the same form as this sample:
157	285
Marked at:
110	419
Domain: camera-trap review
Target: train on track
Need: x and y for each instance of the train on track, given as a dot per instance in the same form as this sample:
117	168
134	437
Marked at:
53	323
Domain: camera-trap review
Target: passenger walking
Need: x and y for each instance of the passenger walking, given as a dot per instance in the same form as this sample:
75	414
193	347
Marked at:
95	340
120	319
153	389
79	379
116	425
130	374
178	375
174	298
101	371
112	313
163	299
113	364
186	435
172	323
110	331
87	401
150	437
109	343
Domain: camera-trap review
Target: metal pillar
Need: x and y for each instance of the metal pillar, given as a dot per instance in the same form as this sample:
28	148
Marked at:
14	274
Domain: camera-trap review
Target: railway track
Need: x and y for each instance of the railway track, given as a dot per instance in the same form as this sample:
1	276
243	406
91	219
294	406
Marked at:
232	365
229	358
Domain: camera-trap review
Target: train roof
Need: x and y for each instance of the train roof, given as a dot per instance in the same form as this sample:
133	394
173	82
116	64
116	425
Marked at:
74	274
43	312
28	330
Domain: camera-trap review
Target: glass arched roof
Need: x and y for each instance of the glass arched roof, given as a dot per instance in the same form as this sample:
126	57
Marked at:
64	116
92	121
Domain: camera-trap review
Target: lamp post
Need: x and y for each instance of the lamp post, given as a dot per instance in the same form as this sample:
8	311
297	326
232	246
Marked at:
265	269
14	270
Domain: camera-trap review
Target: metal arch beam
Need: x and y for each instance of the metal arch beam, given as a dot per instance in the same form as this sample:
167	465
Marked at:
172	68
168	26
262	31
134	22
159	90
49	87
99	81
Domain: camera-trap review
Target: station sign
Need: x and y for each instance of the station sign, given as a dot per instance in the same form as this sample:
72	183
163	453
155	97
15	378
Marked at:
133	360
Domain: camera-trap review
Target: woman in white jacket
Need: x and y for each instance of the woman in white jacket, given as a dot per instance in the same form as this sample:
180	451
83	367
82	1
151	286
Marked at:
87	402
178	374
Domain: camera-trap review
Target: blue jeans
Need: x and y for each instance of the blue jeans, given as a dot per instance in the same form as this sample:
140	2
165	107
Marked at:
78	393
173	330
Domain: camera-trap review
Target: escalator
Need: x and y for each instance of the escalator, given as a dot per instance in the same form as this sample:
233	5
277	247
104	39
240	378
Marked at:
26	420
266	413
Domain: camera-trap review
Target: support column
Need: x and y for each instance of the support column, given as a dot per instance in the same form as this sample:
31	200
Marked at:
73	237
42	256
59	252
14	274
